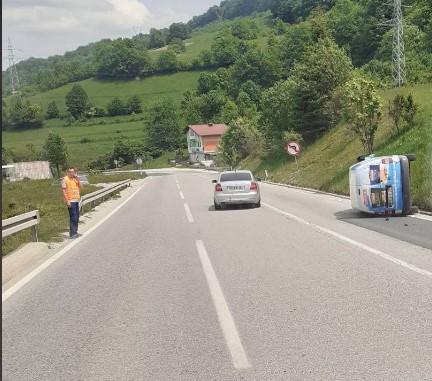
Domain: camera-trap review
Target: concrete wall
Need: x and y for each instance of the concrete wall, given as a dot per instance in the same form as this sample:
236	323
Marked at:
34	170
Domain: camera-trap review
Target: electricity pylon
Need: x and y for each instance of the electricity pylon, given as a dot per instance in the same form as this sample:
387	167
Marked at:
398	51
13	73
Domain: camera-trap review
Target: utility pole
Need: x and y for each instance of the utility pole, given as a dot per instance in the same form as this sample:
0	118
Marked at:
15	83
398	51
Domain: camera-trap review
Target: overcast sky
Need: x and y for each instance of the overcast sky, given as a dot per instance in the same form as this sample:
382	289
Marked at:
41	28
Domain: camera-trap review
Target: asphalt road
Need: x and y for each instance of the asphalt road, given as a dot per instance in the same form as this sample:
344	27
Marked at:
170	289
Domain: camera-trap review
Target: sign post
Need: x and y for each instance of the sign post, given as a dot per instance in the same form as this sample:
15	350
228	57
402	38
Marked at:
293	149
139	162
116	162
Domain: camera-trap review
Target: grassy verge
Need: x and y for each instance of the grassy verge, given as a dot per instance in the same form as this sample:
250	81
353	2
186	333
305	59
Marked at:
324	164
44	195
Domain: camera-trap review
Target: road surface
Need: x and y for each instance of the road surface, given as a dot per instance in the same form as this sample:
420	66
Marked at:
167	288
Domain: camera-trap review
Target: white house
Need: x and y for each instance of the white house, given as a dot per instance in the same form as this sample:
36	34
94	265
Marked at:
203	141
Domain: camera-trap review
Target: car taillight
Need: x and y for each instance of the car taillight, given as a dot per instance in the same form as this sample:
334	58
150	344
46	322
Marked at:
218	188
253	186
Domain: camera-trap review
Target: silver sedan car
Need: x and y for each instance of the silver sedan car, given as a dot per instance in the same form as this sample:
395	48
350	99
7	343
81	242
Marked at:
236	187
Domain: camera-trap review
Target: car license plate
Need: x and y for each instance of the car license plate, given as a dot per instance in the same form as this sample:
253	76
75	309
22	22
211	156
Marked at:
236	188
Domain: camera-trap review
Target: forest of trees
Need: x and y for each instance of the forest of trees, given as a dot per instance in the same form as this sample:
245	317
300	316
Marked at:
355	25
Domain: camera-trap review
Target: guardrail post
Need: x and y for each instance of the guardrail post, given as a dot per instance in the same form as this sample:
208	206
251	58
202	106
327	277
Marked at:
34	234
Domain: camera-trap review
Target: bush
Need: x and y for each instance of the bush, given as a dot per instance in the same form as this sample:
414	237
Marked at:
102	162
177	45
52	111
116	107
24	115
134	105
409	111
245	29
403	109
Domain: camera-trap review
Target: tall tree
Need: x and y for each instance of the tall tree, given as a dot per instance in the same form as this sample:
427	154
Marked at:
52	110
257	66
323	67
55	151
157	39
362	109
163	126
225	48
77	101
121	59
178	30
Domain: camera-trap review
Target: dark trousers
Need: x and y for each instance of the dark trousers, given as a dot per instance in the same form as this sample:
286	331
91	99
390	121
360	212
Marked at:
73	218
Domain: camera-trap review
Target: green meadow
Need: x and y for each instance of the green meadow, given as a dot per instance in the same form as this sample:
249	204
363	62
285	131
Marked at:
100	93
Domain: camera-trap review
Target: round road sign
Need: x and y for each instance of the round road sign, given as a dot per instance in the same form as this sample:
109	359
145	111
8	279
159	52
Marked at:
139	161
293	148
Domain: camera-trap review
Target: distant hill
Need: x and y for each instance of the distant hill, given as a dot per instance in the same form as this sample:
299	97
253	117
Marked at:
358	26
46	73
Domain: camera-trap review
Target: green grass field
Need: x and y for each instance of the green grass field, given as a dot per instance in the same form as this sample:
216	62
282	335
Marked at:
100	93
324	164
102	138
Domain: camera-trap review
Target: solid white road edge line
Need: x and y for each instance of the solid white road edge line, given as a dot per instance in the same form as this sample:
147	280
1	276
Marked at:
12	290
178	186
353	242
181	195
421	217
188	213
226	320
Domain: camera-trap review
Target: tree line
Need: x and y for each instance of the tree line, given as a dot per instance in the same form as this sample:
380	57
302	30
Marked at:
358	26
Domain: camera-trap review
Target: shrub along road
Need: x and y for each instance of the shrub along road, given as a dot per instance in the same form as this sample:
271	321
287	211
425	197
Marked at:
170	289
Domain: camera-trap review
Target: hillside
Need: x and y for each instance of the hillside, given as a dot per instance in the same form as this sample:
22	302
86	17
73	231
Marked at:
101	93
324	164
202	37
101	133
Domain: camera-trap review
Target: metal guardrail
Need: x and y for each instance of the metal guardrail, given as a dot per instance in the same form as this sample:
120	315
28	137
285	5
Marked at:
91	198
22	221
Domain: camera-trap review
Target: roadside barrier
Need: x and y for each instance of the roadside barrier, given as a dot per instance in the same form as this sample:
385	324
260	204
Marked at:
22	221
92	198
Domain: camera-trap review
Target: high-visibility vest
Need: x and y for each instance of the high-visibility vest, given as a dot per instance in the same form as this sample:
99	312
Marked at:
72	188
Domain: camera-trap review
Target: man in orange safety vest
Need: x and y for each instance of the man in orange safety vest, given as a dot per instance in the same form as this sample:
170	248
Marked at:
71	193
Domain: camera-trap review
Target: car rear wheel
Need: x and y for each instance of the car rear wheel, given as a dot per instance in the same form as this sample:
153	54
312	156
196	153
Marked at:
216	206
258	204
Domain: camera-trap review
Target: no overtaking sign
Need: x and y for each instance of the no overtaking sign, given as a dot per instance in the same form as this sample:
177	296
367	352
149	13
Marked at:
293	148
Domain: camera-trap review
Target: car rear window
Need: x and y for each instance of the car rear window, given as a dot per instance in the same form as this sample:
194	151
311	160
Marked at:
240	176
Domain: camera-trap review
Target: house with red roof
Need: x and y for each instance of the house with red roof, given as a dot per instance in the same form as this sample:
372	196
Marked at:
203	141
